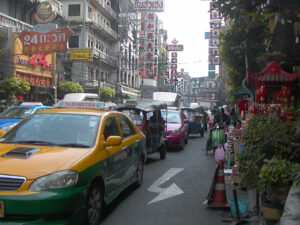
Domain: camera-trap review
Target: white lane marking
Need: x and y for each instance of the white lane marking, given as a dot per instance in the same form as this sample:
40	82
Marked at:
168	192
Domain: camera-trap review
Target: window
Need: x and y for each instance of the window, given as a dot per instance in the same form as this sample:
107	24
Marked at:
111	128
74	41
74	10
126	127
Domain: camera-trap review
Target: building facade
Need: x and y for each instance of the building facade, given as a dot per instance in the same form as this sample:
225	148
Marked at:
38	70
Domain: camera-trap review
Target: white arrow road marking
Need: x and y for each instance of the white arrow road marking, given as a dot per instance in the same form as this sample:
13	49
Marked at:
168	192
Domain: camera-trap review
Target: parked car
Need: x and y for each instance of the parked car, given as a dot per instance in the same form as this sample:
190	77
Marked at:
62	165
177	128
13	115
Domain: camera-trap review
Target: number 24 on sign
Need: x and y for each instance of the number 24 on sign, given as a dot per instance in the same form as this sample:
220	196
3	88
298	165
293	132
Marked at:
37	59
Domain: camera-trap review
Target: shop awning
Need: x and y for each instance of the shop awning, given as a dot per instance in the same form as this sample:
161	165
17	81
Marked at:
272	73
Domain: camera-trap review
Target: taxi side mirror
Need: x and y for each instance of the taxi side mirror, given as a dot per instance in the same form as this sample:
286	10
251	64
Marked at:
113	141
2	133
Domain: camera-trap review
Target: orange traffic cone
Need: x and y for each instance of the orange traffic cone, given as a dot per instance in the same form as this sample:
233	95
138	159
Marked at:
219	194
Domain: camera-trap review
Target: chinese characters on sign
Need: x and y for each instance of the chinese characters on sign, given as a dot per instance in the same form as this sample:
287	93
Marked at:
45	43
35	80
213	36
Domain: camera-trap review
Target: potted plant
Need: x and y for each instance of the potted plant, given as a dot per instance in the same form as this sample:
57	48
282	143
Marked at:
271	151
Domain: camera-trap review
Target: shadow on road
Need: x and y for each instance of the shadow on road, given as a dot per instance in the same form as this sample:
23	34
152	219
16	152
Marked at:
152	160
115	203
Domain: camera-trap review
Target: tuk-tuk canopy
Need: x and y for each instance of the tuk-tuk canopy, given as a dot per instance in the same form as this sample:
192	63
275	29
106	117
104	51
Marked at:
144	105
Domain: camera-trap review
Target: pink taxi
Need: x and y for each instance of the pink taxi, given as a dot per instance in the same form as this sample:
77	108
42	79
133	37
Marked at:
177	128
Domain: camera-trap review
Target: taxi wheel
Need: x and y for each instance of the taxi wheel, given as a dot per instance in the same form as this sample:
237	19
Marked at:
181	147
162	152
139	172
94	205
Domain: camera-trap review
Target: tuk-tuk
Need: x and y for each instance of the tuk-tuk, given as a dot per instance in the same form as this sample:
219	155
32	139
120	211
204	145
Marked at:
195	121
147	117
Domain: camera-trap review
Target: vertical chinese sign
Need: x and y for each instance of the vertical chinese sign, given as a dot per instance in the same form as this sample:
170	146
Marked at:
215	30
174	48
150	45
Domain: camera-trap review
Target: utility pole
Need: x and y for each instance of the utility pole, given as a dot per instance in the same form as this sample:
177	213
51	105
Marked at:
83	39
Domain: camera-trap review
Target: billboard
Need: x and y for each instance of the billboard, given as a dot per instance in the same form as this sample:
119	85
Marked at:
149	5
81	55
45	43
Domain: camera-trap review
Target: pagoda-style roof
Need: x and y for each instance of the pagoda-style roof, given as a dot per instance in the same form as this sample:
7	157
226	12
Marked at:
272	73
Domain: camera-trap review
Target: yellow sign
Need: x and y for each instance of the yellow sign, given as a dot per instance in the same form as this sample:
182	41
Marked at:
82	55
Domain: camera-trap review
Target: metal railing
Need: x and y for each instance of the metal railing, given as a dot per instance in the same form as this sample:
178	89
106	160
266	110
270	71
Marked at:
104	57
102	25
16	24
108	9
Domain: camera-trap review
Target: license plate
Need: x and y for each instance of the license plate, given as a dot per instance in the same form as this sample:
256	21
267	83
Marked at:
1	209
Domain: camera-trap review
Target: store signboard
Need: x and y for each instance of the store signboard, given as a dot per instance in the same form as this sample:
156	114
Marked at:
81	55
44	28
207	35
45	43
211	74
173	48
211	67
149	5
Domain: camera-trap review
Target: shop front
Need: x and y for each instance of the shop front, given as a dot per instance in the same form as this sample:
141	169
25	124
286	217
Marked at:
38	70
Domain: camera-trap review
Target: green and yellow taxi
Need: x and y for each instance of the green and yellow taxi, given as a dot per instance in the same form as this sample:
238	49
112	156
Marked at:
63	165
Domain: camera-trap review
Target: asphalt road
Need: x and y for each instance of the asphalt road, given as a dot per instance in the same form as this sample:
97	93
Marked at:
183	180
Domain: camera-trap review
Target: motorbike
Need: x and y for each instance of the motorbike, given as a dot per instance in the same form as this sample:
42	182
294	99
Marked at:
218	136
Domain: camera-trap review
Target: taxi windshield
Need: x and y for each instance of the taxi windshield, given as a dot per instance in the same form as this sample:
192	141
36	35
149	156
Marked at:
16	113
66	130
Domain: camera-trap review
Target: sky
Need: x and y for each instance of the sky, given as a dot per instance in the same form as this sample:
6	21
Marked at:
187	21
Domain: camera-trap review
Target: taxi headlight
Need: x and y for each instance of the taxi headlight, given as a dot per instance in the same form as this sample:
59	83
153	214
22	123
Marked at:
57	180
7	128
175	132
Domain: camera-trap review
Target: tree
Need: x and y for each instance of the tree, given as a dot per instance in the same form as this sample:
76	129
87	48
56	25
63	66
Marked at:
69	87
13	86
252	30
107	94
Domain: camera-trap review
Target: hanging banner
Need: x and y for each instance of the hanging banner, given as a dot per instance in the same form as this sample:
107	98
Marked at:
45	43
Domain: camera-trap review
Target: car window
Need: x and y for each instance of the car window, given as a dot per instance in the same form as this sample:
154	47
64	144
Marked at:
126	127
62	129
171	116
16	113
111	128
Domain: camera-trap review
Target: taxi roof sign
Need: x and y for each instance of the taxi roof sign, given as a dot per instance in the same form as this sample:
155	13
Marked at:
80	104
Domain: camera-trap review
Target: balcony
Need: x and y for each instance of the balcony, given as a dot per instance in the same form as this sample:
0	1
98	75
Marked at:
106	10
105	58
94	84
106	30
15	24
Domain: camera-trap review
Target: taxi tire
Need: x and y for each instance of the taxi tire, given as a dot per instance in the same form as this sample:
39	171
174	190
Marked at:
94	204
181	147
163	152
139	172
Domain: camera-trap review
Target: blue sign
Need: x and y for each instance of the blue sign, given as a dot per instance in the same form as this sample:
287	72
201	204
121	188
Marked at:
44	28
207	35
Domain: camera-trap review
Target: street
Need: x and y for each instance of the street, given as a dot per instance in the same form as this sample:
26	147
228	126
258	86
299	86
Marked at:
191	170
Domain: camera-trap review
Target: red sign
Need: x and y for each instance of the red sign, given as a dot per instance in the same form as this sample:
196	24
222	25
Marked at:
173	48
35	80
45	43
